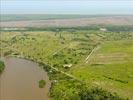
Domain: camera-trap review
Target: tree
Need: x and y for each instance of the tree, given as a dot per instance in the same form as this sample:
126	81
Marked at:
97	94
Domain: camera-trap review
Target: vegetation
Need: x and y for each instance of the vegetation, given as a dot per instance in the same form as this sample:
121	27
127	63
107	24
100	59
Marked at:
25	17
2	66
75	59
97	94
42	83
110	28
15	17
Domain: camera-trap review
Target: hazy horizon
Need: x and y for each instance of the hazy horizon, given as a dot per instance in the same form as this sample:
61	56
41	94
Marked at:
84	7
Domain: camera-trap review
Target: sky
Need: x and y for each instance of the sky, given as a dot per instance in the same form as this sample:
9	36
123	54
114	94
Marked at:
91	7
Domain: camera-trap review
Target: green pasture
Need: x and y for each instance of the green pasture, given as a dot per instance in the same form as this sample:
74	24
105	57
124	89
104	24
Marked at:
110	67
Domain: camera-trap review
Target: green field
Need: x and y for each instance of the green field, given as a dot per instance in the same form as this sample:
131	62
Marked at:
78	58
110	67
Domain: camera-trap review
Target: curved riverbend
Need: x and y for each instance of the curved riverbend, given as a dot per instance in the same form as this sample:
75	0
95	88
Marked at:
20	81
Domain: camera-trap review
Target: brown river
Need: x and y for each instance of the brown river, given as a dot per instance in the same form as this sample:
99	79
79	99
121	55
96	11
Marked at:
20	81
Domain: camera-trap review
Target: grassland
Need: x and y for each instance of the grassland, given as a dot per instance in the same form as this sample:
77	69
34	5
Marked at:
66	57
110	67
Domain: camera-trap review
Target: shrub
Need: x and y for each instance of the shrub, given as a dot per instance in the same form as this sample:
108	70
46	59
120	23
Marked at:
42	83
98	94
2	66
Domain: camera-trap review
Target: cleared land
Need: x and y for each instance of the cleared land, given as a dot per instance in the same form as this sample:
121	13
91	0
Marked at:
67	22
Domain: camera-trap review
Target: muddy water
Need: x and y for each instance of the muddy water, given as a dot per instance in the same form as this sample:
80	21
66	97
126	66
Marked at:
19	81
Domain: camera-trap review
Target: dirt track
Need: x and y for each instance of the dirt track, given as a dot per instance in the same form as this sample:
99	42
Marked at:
114	20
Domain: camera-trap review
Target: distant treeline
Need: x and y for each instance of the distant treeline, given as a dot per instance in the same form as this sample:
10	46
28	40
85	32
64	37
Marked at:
119	28
112	28
22	17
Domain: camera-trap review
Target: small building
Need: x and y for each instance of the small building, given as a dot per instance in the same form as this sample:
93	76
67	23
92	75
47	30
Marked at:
67	65
103	29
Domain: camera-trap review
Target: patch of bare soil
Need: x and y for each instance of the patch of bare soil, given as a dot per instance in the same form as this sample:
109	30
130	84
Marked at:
112	20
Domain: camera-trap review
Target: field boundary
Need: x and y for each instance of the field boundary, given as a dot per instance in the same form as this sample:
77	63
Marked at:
93	50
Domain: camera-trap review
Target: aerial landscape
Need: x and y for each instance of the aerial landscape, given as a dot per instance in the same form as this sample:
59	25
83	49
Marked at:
66	56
